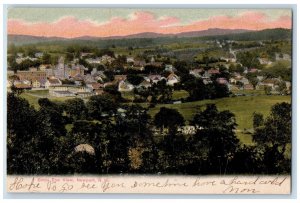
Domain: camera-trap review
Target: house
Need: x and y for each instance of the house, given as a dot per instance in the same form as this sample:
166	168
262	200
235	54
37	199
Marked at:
156	64
187	130
210	72
84	54
222	81
244	80
94	85
253	70
232	80
21	59
98	75
237	75
286	57
288	84
9	83
206	80
125	86
52	82
230	59
88	78
233	87
76	70
10	73
248	87
120	77
196	72
170	68
39	54
144	84
260	78
23	86
213	71
129	60
106	59
140	63
272	82
26	82
93	60
152	60
172	79
73	89
20	55
264	61
155	78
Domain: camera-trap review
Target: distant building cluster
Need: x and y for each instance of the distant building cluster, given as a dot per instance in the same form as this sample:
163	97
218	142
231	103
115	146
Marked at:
75	80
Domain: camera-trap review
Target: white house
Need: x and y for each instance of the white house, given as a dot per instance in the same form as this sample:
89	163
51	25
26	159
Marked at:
51	82
125	86
172	79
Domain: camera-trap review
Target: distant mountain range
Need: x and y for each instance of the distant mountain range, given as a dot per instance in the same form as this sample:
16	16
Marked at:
210	34
28	39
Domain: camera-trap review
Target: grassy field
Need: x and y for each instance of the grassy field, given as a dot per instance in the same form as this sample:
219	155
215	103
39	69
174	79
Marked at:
179	94
243	107
256	92
33	96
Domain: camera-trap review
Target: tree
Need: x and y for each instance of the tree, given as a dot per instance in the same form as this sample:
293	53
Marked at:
195	87
76	108
135	79
252	79
247	160
258	120
248	59
134	137
160	92
276	129
181	67
54	112
173	153
279	69
267	90
46	58
282	88
221	90
100	106
168	118
215	134
21	129
32	141
94	136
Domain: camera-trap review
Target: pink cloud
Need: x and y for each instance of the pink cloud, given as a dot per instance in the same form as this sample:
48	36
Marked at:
70	27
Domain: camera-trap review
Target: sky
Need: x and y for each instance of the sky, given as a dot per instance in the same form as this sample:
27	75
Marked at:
106	22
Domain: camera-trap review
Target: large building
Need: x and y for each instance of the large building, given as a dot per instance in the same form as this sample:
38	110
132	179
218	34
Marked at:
32	75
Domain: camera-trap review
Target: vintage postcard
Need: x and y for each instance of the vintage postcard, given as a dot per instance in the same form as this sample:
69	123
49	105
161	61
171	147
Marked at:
149	100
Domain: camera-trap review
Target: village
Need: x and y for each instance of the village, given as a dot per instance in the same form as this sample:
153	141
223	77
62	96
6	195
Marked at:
72	79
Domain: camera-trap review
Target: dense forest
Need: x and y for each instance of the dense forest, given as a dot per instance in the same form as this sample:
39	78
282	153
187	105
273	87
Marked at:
108	137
